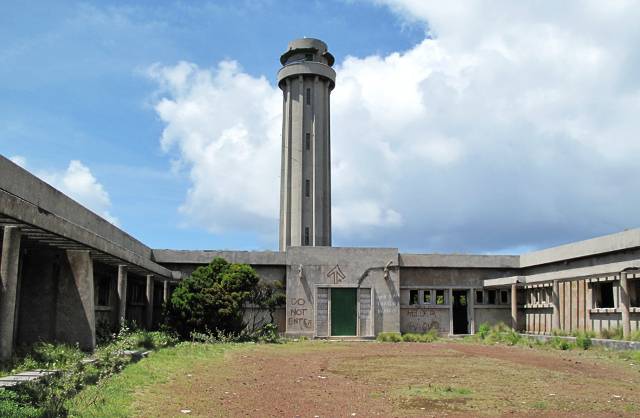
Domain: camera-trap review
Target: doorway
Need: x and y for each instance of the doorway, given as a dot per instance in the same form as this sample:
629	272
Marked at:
344	318
460	314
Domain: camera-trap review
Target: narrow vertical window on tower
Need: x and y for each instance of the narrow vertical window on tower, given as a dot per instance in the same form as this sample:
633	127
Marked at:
307	188
308	96
308	141
306	235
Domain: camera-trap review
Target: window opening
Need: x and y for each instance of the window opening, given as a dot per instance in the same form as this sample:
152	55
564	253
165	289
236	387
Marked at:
308	141
308	57
308	96
306	235
413	297
440	299
103	291
634	290
307	188
492	297
604	295
426	298
479	297
504	298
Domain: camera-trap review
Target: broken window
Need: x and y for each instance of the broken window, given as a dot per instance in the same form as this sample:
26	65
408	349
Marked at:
504	297
413	297
440	299
426	297
103	289
479	297
603	294
492	297
308	57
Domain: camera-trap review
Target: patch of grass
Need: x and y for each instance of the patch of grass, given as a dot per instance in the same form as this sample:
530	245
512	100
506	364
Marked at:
434	392
612	333
389	337
499	333
427	337
115	396
540	405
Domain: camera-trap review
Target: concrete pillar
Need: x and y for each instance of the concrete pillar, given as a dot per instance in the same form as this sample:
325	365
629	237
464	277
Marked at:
165	291
81	267
514	306
555	301
624	304
122	294
9	267
149	303
450	311
471	301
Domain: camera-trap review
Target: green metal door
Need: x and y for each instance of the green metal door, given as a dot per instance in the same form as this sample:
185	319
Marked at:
343	311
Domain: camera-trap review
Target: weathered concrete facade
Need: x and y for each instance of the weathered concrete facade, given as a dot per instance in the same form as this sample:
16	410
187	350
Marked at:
68	275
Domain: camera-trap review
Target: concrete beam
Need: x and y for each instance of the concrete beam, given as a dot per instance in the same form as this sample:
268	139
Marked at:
122	294
555	301
9	267
514	306
624	304
81	306
24	211
148	303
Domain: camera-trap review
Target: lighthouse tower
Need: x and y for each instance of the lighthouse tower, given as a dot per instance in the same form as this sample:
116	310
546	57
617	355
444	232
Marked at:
306	80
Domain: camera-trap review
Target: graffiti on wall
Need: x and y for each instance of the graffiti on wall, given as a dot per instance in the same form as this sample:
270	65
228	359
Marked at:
297	314
424	320
336	275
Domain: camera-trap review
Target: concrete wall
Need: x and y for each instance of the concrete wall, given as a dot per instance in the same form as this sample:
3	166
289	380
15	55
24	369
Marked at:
309	270
56	298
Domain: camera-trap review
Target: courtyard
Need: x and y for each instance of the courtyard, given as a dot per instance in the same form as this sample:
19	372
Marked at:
330	379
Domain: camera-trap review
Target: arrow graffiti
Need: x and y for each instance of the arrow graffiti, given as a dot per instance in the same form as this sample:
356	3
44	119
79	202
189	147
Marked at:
336	275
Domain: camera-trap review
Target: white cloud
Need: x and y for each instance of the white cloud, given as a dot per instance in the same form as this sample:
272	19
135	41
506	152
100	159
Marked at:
509	125
79	183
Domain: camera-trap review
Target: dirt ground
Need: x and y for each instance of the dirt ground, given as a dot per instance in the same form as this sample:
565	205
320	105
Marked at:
331	379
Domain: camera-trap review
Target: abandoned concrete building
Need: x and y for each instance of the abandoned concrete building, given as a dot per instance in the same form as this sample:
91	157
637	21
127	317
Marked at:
66	271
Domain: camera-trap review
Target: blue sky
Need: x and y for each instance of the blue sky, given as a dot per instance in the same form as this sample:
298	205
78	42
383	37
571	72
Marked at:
455	127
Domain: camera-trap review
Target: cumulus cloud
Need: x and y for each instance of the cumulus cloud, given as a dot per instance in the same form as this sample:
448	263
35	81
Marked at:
80	184
508	126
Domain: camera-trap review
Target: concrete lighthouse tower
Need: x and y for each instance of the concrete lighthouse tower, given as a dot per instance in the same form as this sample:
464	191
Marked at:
306	80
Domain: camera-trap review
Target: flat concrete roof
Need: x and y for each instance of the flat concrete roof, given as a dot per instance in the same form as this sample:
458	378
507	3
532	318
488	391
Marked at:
459	260
29	200
205	257
605	244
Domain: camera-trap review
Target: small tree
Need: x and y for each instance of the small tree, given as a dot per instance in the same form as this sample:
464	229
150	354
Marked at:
212	298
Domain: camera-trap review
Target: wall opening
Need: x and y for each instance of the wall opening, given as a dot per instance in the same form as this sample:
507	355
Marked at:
460	313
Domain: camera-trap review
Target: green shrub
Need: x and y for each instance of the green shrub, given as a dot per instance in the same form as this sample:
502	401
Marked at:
583	340
560	343
16	405
393	337
483	331
635	336
212	298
